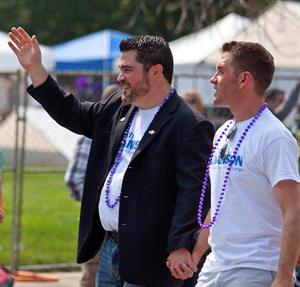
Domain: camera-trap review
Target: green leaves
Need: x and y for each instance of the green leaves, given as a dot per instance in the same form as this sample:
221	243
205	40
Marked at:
57	21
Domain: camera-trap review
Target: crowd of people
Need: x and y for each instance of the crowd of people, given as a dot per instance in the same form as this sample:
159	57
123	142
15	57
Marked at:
165	200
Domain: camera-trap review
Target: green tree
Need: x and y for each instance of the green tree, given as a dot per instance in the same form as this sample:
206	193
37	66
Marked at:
56	21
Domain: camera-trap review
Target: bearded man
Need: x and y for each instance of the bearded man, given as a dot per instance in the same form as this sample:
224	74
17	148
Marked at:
148	154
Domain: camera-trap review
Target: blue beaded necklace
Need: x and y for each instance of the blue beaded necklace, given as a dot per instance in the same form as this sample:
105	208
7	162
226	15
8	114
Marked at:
228	170
120	151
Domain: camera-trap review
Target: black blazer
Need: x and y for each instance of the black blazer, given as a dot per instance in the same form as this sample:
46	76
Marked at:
161	187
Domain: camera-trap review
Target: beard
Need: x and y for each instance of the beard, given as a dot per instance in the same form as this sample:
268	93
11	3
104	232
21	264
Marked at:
131	95
128	95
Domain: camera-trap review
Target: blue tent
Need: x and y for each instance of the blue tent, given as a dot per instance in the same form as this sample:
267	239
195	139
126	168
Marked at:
95	51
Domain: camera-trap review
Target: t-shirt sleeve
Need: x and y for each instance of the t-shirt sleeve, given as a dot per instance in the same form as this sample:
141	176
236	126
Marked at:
280	160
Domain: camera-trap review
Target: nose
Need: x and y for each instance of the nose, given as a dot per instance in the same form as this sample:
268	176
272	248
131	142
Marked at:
120	78
213	79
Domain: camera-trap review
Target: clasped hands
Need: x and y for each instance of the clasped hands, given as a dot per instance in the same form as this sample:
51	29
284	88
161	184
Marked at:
182	264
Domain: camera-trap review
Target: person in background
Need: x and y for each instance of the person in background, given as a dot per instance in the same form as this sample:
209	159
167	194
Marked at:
218	115
1	188
275	98
74	179
193	99
148	154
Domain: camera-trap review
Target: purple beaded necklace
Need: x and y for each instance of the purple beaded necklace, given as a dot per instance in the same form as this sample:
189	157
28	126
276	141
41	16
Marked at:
230	163
120	151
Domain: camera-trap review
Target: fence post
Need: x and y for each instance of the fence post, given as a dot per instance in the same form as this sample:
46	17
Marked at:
18	171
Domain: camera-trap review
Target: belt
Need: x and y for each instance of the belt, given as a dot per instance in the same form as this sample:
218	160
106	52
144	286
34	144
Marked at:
114	235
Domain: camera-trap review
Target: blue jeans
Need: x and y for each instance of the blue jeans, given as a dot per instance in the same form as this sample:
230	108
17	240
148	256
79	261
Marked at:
108	268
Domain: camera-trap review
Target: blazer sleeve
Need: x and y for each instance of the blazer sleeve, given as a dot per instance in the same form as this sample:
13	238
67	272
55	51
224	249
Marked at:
66	109
191	166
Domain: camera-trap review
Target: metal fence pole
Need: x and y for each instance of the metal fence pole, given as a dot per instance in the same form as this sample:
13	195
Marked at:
18	173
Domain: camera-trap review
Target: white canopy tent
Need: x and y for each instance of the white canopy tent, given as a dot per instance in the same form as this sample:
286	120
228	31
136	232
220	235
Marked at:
59	137
293	7
196	47
191	50
39	151
46	142
278	30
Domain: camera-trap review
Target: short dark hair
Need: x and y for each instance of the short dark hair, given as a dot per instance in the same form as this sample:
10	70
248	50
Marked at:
151	50
254	58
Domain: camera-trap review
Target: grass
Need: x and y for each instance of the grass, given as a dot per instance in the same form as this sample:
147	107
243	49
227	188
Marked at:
49	221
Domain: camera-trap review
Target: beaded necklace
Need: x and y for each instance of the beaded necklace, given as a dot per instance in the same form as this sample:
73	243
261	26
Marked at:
120	151
228	170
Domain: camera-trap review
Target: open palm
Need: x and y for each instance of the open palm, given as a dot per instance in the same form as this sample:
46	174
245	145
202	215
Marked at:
25	47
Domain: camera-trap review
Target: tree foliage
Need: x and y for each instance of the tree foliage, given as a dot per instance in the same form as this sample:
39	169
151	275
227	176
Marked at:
56	21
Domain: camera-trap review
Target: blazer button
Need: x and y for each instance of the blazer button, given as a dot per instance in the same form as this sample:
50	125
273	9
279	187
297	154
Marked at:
124	224
130	167
126	196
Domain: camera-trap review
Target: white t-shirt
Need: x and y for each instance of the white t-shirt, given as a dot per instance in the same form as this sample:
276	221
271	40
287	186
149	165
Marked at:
247	231
110	216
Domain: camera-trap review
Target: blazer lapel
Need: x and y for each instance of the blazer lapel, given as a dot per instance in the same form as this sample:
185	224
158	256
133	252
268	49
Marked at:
120	128
156	126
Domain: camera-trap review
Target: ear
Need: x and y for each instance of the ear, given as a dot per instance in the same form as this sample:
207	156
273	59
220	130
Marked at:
245	79
157	70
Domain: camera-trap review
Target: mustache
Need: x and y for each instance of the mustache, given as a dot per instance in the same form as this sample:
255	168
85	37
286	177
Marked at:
127	97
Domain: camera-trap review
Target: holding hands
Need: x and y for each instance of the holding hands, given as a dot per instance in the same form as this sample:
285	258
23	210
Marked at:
181	264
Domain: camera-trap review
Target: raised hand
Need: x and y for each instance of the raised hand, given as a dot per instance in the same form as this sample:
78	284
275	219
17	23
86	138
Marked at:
28	53
25	47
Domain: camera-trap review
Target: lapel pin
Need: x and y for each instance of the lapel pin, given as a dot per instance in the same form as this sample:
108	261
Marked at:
151	132
122	119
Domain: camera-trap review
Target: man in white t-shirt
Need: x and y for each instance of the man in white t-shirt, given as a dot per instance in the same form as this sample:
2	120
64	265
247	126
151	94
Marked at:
254	220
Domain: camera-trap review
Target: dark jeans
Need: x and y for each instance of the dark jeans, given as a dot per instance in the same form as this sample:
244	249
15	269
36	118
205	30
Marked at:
107	271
